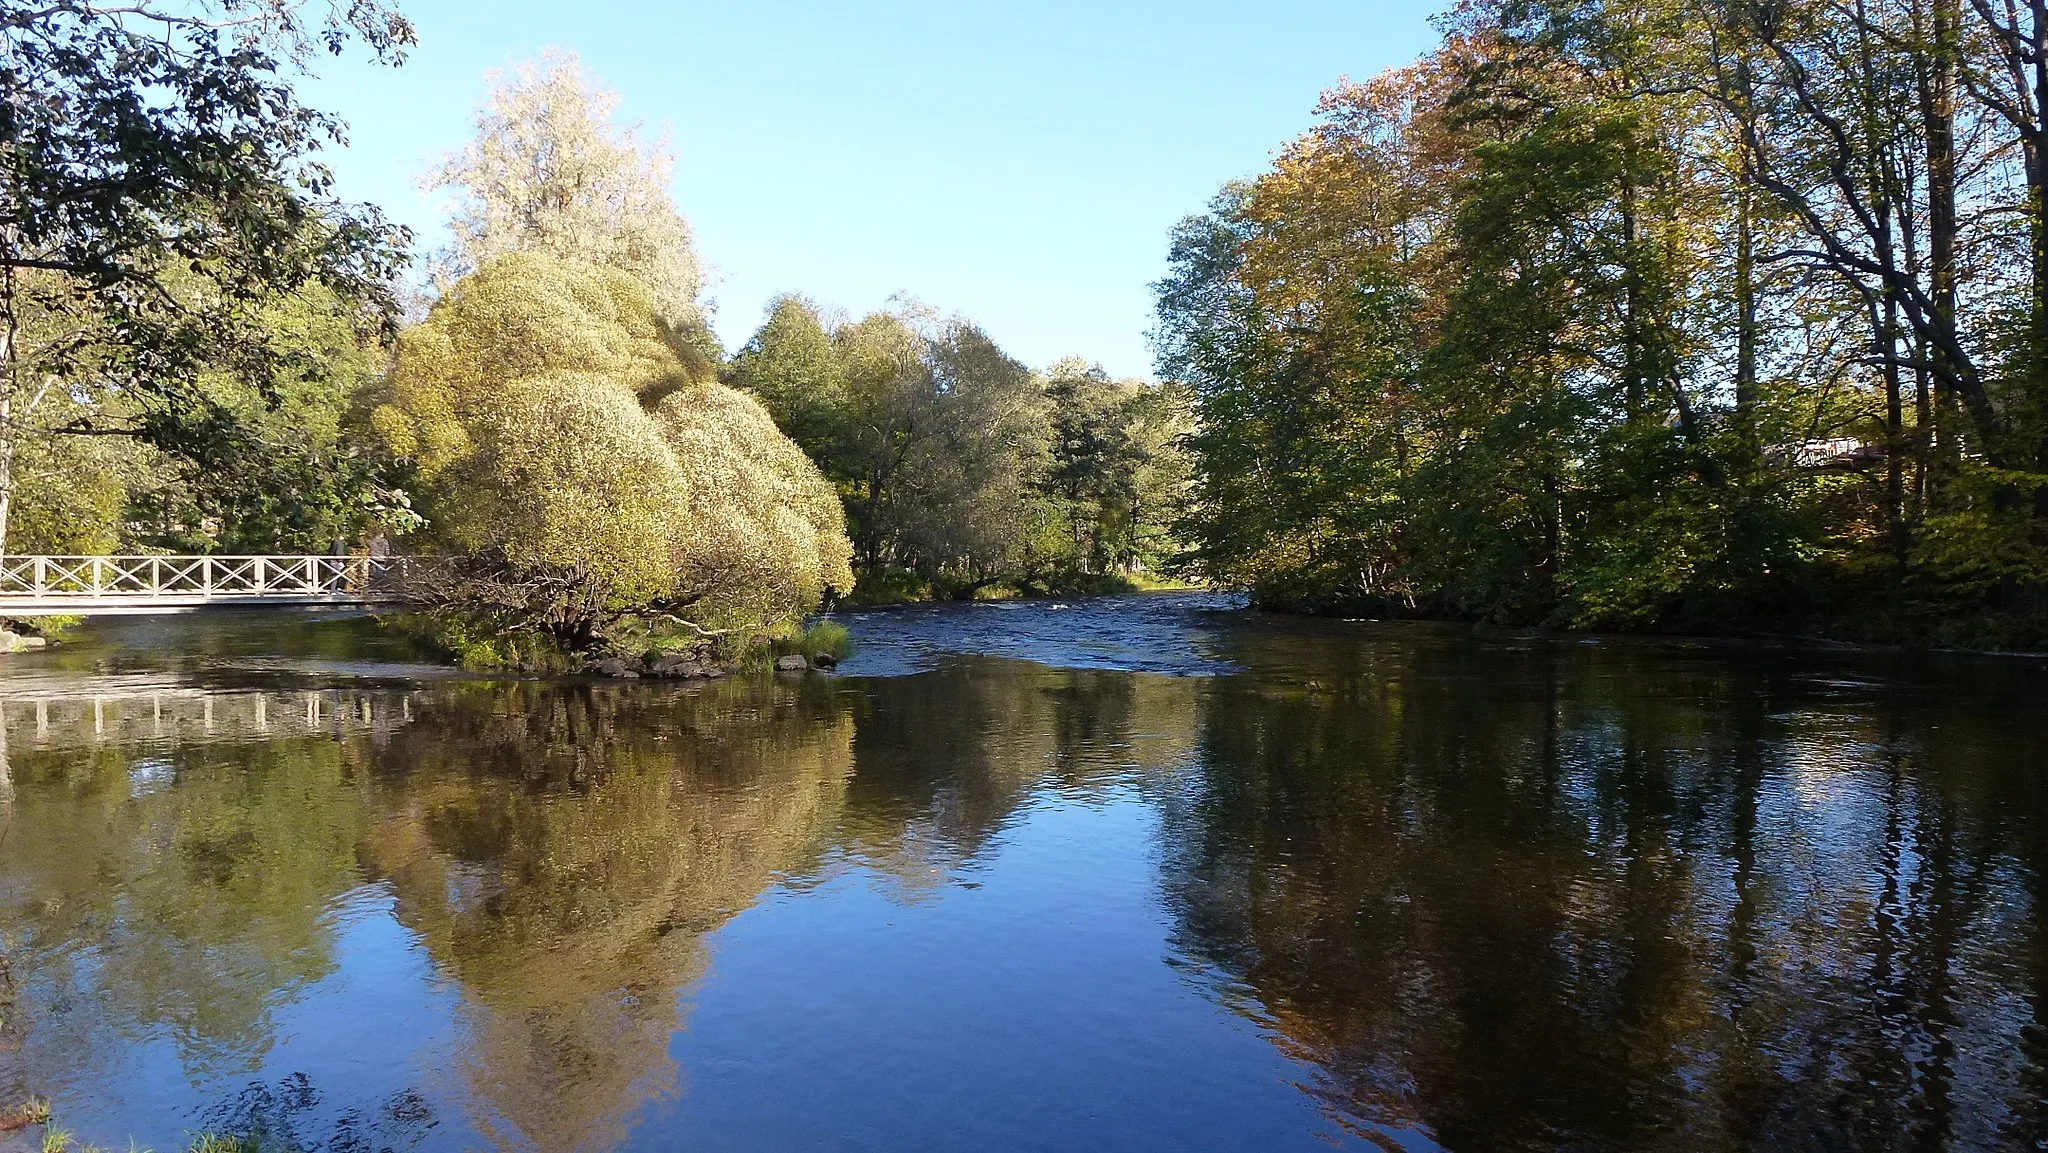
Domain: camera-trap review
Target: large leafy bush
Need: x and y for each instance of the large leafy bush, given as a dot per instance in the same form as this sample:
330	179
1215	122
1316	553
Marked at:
567	433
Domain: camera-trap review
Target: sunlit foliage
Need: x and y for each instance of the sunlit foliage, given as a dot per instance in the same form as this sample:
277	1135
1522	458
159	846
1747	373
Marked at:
71	492
162	198
961	469
284	466
547	171
561	425
1638	315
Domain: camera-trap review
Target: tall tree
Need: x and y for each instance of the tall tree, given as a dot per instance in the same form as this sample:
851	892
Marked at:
1093	460
1294	313
791	367
548	171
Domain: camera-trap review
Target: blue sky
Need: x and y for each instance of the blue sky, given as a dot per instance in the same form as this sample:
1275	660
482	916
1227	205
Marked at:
1018	163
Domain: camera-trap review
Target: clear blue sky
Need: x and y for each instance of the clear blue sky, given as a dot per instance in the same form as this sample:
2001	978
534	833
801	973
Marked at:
1018	163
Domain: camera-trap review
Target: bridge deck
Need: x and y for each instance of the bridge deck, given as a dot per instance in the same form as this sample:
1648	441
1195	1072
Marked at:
135	585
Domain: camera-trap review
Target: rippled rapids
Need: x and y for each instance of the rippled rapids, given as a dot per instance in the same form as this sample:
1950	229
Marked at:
1148	873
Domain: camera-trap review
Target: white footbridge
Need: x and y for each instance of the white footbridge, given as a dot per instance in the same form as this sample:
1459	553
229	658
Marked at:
32	586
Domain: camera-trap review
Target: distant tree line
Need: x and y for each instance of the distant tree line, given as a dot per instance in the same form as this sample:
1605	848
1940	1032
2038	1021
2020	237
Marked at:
1642	313
961	469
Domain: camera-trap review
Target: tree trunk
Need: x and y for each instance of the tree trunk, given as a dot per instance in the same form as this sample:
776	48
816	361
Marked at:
10	379
1889	194
2037	203
1745	310
1894	429
1634	373
1938	110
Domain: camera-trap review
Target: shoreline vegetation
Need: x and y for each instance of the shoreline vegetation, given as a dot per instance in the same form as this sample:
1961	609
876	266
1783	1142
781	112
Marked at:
1720	320
668	655
1539	331
1707	319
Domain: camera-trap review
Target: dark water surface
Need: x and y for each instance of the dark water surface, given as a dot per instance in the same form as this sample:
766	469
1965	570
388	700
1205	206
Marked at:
1129	874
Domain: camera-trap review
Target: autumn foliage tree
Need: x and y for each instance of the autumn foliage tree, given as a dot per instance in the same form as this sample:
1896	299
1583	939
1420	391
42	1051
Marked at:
1704	315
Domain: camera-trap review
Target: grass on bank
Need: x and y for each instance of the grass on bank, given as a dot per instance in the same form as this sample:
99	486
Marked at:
36	1111
818	638
59	1141
829	638
474	643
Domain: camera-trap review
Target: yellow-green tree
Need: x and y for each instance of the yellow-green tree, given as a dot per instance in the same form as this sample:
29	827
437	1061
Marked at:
547	171
563	428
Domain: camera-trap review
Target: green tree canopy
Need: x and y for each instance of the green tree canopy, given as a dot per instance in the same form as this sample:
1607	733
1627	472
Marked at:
958	465
157	200
560	424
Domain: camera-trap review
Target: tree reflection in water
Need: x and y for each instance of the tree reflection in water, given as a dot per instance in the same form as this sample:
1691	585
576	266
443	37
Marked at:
181	890
945	760
572	906
1488	893
1514	896
559	852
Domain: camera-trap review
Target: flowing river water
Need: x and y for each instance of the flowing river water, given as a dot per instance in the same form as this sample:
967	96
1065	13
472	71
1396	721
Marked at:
1137	873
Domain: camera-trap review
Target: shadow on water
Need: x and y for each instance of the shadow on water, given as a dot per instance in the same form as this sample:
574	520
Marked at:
1027	880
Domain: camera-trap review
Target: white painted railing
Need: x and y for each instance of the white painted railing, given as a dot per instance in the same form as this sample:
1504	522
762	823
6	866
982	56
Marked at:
47	585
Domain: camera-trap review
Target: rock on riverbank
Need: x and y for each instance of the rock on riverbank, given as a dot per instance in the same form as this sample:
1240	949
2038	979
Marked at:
672	667
14	642
695	666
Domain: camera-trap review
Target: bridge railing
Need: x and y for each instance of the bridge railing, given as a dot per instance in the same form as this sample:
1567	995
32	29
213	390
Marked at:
91	578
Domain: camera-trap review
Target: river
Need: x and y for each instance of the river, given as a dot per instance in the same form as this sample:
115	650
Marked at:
1143	873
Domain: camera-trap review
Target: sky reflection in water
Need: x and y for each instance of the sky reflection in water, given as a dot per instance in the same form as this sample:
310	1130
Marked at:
1285	885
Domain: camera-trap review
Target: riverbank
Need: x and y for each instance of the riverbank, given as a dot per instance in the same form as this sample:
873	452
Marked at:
631	650
902	587
2020	627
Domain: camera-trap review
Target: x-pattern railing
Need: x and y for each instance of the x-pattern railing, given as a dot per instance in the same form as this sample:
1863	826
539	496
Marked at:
128	579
